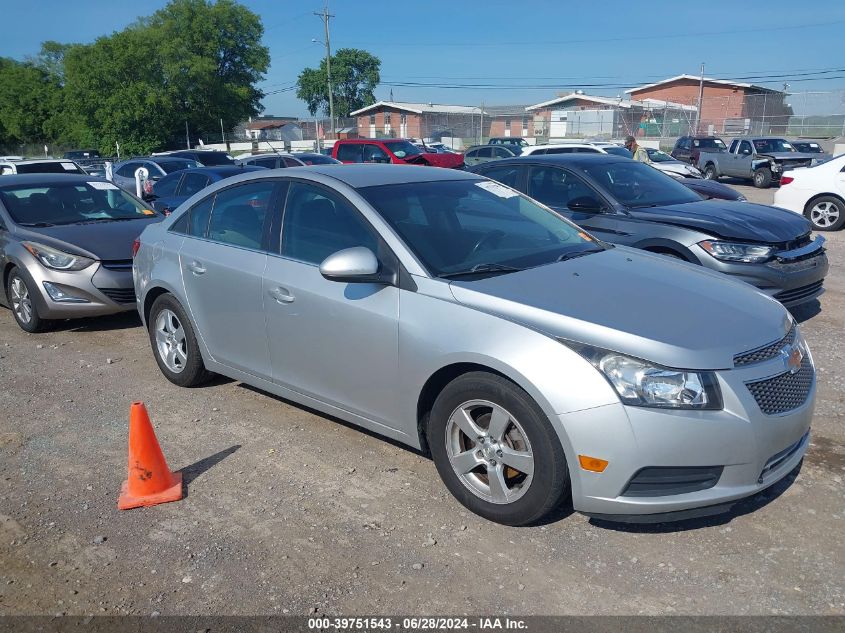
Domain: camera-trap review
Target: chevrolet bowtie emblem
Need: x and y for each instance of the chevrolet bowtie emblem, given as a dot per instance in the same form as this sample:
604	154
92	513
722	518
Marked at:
792	357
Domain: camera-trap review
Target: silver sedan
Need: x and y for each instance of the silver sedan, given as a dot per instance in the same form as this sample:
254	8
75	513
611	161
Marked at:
456	315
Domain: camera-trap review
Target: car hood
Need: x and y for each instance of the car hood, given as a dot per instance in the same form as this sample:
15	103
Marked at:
101	240
649	306
731	220
438	160
712	189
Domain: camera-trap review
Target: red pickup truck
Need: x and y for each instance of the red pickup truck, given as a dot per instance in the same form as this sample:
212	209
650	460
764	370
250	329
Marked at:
397	151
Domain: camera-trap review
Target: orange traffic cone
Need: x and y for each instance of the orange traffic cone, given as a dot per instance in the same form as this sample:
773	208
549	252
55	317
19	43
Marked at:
150	481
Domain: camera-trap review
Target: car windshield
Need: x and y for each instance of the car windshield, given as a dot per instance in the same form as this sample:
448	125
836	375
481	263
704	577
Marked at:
476	227
812	148
656	156
636	185
71	203
618	151
771	145
403	149
177	165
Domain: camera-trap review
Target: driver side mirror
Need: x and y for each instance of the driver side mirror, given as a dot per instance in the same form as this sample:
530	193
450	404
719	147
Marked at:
351	265
586	204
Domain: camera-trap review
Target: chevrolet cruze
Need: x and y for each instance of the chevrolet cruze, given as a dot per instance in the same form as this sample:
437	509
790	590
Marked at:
456	315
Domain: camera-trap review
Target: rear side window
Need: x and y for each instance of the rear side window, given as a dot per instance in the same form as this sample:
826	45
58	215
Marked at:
290	162
269	163
198	217
127	170
192	183
167	185
239	214
507	175
485	152
349	153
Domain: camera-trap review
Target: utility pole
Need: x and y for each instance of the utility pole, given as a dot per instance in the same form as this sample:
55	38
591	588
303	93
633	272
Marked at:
187	136
325	15
700	99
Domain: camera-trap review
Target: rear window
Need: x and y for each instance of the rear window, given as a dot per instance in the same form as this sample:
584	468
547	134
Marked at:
709	143
213	159
178	165
57	167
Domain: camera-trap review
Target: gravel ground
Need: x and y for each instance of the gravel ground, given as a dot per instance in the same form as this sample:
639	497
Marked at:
288	511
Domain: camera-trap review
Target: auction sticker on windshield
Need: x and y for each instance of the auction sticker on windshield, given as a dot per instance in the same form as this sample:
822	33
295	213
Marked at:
497	189
102	185
68	166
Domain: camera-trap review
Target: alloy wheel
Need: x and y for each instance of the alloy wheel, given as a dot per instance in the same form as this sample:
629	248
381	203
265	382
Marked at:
21	301
489	451
824	214
171	343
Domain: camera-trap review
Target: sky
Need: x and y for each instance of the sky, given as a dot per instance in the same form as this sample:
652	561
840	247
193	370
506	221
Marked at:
529	51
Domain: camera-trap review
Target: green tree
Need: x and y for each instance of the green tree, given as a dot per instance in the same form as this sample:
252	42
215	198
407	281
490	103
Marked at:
355	74
28	98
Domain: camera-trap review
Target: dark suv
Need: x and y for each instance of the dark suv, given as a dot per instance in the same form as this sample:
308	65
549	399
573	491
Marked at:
687	148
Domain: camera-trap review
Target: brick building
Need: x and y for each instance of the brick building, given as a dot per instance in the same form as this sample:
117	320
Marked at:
727	106
397	119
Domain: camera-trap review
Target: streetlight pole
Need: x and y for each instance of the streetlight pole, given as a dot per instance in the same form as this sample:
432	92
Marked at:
326	15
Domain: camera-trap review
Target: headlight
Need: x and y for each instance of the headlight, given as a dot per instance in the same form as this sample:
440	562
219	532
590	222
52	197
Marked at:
56	259
643	384
738	252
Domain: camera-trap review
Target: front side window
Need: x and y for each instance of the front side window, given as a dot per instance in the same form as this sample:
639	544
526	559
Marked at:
318	223
192	183
745	147
269	163
71	203
637	185
509	175
556	187
239	214
375	154
453	226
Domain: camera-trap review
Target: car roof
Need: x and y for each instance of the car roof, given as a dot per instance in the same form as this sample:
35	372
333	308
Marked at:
34	161
358	175
221	170
46	179
564	159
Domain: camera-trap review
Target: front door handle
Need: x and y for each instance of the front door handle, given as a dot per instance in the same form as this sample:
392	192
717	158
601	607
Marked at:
196	268
281	295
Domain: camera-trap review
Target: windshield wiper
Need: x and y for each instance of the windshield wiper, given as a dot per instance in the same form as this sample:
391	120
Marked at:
38	225
482	268
92	220
586	251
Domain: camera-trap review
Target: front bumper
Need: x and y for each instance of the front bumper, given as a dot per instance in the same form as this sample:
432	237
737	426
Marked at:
101	290
752	449
791	282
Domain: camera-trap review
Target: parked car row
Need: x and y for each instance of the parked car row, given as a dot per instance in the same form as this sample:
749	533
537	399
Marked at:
496	319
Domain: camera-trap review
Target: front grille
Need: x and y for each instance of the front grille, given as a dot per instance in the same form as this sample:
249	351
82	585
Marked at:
799	293
117	264
767	352
119	295
778	458
796	243
784	392
661	481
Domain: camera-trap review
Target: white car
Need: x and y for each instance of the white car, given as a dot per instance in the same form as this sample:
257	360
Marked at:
816	192
562	148
672	166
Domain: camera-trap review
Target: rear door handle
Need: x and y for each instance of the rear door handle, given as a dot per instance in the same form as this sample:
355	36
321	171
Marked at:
196	268
281	295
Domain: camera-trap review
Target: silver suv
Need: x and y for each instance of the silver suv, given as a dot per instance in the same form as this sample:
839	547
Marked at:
453	313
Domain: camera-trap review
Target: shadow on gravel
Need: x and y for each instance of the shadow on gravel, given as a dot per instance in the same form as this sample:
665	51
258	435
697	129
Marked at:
743	507
349	425
806	311
122	321
189	473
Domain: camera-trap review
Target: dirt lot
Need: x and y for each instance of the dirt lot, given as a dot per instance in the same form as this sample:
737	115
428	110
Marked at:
288	511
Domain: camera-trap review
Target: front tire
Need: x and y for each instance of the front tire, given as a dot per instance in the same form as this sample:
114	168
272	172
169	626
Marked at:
496	450
23	307
762	178
175	344
826	213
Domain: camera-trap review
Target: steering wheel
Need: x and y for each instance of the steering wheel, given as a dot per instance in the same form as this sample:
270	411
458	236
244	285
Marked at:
491	237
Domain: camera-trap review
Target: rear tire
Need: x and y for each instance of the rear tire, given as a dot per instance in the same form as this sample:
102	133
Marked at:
485	434
762	178
23	307
826	213
710	172
175	344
